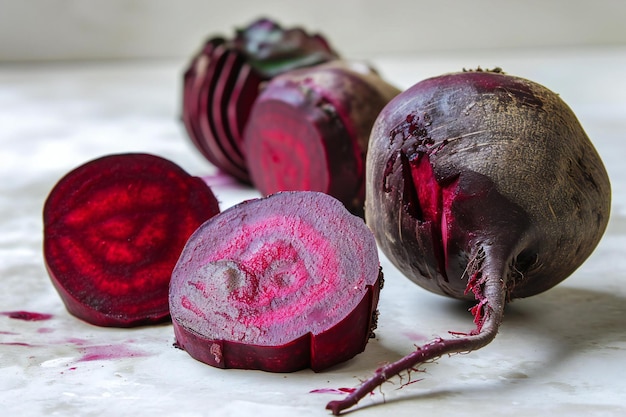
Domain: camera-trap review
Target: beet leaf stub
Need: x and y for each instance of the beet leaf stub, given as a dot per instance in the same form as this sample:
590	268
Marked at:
279	283
113	230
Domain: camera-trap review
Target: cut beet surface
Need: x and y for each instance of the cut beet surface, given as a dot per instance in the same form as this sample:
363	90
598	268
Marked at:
279	284
309	130
293	144
113	230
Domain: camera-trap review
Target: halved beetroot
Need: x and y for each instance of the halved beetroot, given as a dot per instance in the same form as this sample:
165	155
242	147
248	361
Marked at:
224	78
309	130
113	230
279	284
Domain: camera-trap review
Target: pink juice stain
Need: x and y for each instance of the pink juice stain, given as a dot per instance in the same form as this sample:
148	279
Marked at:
77	341
16	344
44	330
333	391
89	353
218	179
106	352
26	315
415	336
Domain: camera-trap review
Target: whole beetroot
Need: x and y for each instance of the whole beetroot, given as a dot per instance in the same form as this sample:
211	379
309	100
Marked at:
482	186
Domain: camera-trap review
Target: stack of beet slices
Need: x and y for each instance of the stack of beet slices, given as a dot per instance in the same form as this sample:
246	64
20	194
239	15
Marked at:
224	79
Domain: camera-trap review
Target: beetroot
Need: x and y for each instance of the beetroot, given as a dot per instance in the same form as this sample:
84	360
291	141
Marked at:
309	130
113	230
481	186
224	78
279	284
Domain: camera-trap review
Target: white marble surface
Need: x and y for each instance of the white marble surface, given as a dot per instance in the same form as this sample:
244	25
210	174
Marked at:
559	353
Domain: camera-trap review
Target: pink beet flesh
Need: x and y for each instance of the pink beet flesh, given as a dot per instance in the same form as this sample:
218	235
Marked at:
280	283
294	145
113	230
309	130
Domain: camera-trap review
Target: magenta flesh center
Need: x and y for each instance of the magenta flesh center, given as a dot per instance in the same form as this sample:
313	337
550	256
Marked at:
262	284
429	202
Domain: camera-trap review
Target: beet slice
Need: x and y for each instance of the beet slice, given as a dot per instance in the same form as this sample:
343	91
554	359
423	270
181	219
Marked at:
192	81
113	230
277	283
218	111
227	78
309	130
202	83
242	97
208	128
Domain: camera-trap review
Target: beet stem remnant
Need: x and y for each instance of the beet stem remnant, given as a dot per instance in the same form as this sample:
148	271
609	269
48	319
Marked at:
488	313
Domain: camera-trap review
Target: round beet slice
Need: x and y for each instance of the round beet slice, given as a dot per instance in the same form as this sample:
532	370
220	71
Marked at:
113	231
279	283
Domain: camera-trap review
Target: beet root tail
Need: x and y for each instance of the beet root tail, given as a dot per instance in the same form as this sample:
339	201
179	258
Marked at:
491	296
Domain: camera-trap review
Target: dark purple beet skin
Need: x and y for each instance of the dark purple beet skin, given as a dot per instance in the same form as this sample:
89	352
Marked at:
113	230
280	283
223	80
481	186
309	130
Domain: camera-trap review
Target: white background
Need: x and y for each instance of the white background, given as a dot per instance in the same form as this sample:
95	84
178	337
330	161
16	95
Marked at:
115	29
